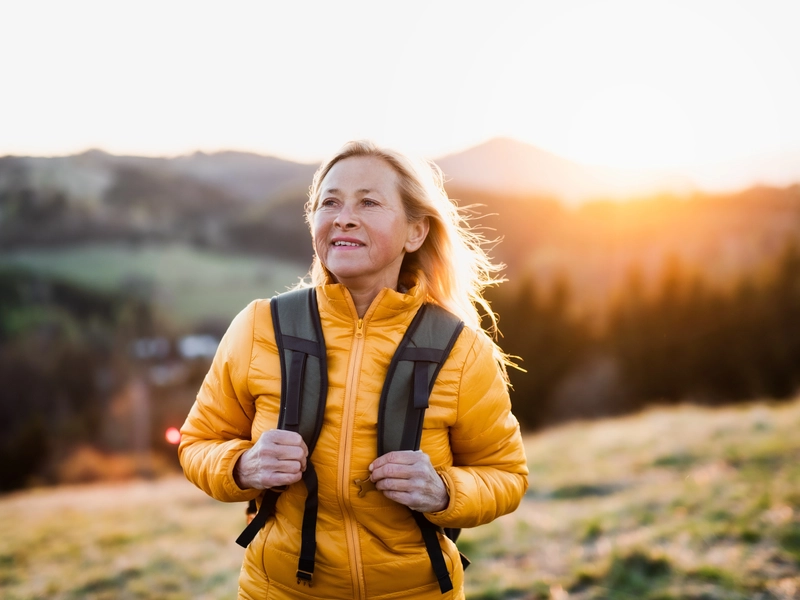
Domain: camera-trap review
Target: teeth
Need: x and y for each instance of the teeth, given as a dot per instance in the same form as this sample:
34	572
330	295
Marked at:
345	244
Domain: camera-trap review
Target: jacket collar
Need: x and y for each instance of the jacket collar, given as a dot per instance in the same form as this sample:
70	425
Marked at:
388	307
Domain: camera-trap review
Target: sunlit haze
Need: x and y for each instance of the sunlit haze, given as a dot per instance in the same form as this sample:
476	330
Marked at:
680	84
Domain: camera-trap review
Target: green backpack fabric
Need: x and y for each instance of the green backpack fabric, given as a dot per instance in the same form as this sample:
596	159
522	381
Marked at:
304	389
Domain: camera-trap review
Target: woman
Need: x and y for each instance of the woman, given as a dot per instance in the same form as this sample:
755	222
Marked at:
386	239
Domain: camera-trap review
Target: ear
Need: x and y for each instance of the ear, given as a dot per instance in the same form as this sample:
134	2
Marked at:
417	232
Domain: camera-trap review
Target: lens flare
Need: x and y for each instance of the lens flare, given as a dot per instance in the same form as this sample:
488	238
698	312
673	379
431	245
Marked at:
173	435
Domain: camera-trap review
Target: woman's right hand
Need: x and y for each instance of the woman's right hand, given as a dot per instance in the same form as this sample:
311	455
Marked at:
277	458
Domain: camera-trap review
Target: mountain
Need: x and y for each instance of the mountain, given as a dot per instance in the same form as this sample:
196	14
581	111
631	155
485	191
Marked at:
510	166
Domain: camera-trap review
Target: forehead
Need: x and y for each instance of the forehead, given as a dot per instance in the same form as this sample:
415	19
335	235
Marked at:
361	173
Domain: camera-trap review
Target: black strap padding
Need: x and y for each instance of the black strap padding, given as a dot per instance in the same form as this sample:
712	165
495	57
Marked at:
296	322
276	328
291	412
268	501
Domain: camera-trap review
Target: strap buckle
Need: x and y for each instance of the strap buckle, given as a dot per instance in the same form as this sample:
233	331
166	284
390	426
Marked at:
304	577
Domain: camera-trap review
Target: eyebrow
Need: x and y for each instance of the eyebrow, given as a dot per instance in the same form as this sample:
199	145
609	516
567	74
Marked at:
358	191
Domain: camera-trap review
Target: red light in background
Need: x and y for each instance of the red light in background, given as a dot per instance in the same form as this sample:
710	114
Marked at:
173	435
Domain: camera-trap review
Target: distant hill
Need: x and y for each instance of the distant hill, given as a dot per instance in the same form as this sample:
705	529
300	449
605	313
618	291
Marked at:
240	202
229	201
252	177
507	166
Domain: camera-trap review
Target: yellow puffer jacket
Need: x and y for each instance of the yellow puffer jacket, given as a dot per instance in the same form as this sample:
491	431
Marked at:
367	545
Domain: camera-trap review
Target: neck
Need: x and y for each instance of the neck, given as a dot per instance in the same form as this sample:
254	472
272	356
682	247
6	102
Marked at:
363	299
364	290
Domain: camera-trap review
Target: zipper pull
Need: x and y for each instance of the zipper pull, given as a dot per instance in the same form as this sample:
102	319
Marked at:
360	328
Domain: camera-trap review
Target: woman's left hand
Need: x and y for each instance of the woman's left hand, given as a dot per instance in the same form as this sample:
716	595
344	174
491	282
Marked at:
408	477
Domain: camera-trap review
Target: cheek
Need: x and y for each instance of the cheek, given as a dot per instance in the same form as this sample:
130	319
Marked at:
319	227
317	234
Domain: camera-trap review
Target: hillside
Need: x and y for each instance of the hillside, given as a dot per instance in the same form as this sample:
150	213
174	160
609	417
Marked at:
244	203
227	201
686	504
597	244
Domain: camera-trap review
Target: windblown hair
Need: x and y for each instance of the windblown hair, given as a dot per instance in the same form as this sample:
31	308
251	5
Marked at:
451	267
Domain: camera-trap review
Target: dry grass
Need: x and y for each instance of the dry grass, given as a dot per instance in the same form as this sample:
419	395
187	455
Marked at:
683	503
159	539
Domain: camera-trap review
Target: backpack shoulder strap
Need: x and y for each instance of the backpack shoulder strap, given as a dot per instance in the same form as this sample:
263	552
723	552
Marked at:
409	381
304	369
412	372
304	390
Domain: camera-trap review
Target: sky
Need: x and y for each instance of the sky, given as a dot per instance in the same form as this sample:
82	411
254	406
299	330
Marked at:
622	83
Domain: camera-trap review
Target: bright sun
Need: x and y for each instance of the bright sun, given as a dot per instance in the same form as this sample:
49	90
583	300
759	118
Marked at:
635	125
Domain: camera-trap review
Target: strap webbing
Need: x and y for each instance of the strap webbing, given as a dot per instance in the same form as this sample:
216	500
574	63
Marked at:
264	511
431	540
308	545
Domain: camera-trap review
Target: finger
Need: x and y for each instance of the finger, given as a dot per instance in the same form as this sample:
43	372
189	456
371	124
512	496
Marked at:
278	478
276	458
396	485
401	457
404	457
272	444
288	466
287	453
284	438
394	471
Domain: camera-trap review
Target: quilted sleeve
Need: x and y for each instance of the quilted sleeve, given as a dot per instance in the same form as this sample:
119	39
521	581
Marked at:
489	475
217	430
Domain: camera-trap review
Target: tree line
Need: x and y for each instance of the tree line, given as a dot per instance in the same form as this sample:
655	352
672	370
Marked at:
678	339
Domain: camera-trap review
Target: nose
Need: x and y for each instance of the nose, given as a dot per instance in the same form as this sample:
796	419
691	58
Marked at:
345	219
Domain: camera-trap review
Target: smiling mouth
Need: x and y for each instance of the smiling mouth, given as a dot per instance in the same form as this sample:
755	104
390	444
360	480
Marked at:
347	244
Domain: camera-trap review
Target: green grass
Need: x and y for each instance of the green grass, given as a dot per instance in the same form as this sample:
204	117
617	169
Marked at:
188	284
612	516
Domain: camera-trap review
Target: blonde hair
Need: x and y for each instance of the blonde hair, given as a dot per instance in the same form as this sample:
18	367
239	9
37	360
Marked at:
451	267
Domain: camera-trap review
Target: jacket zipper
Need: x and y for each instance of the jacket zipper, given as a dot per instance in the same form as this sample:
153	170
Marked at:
345	452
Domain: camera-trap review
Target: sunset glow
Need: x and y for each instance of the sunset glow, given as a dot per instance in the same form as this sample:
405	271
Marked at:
620	83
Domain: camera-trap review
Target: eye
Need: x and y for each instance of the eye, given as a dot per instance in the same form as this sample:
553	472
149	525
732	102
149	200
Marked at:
369	202
328	202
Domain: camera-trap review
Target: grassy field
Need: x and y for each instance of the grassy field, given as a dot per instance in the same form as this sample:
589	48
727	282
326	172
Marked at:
188	284
683	503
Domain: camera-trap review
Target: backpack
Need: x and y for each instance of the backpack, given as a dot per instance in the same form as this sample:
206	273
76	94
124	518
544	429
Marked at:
304	388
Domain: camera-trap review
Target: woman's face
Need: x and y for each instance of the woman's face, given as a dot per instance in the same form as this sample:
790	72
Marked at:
360	229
